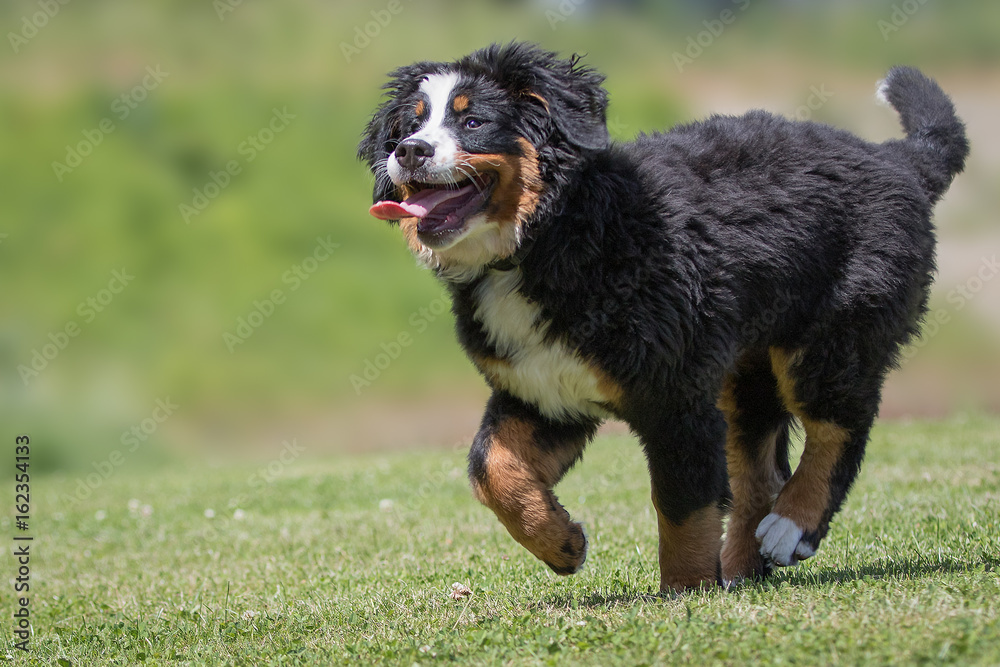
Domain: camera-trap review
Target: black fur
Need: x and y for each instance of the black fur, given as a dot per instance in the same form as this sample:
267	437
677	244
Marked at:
679	260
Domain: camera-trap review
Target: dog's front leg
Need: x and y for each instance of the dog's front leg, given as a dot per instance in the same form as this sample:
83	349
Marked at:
517	457
688	477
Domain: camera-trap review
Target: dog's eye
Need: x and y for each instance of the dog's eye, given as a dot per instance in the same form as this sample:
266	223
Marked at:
472	123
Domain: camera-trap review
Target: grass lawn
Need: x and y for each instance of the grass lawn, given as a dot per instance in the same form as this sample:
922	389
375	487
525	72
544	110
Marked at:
352	560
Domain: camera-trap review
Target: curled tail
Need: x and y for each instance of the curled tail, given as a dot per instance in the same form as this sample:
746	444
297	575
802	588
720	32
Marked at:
935	136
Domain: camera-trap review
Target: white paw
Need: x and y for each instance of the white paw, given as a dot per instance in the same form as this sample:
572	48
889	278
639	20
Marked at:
781	541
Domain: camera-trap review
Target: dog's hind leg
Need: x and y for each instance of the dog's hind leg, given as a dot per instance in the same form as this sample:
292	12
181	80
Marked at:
515	460
757	460
837	401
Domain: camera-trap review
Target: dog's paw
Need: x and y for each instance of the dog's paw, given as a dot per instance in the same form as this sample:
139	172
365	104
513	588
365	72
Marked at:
571	554
781	541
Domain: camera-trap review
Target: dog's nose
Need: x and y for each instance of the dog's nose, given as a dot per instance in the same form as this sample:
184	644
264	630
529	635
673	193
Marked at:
413	152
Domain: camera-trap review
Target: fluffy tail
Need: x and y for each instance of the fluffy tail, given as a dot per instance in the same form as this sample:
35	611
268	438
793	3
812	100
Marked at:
935	136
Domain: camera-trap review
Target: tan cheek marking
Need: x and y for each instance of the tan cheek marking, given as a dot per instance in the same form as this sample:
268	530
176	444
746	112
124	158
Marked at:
409	228
420	108
515	197
519	183
460	103
689	552
409	225
503	203
531	180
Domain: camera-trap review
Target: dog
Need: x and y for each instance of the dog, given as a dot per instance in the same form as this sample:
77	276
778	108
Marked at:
714	286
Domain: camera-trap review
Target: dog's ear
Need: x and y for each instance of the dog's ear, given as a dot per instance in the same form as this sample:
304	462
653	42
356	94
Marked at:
379	140
385	129
561	94
377	143
575	101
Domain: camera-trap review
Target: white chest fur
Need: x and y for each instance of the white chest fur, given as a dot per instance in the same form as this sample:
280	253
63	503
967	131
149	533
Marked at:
544	373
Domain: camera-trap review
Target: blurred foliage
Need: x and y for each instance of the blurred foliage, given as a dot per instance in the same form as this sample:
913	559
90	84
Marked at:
226	69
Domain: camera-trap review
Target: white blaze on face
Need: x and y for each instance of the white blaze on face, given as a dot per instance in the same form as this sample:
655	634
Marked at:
438	89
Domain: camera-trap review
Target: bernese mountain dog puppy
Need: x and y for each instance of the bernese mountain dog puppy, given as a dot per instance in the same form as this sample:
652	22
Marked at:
711	286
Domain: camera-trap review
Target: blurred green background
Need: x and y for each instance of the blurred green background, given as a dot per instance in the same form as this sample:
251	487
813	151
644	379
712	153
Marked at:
169	170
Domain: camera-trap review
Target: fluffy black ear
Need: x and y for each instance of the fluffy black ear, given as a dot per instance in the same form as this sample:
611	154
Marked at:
568	95
385	129
576	101
378	141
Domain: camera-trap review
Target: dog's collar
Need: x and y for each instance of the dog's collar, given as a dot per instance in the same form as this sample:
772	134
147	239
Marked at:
514	261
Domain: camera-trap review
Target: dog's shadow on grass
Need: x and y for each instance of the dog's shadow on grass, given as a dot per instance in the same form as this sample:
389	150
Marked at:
886	569
881	570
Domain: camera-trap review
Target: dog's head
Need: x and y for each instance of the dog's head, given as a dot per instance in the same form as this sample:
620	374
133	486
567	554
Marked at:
467	154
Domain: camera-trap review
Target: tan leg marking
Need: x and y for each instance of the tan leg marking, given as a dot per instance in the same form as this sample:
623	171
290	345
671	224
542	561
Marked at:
689	552
781	363
517	487
806	496
754	482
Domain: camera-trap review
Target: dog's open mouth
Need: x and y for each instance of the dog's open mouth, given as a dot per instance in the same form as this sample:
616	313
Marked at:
441	209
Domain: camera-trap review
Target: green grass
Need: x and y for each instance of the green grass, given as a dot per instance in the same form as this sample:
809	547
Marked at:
352	560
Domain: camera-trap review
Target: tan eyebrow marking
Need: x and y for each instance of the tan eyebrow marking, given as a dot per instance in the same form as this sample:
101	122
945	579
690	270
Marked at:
460	103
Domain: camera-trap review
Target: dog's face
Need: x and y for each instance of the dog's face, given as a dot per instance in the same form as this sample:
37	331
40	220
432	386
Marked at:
467	154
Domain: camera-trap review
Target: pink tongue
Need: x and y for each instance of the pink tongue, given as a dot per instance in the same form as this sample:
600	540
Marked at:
419	205
388	210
